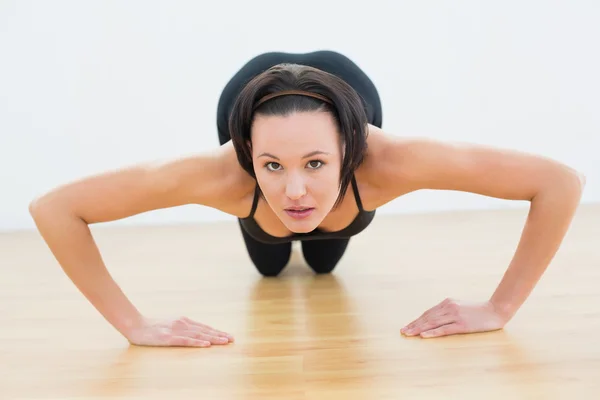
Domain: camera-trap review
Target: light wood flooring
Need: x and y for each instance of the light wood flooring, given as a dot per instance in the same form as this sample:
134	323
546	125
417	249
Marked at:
299	336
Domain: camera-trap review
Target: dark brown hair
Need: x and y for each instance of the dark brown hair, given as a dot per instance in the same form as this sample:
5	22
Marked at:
345	105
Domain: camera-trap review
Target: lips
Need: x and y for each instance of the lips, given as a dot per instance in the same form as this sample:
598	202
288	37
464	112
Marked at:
299	212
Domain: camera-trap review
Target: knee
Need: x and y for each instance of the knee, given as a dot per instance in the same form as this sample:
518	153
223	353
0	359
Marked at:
269	270
320	265
268	259
322	268
323	256
270	266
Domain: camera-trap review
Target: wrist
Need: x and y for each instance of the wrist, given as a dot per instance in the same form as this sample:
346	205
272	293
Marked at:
127	323
505	309
131	324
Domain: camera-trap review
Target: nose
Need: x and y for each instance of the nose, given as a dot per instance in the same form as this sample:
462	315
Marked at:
295	187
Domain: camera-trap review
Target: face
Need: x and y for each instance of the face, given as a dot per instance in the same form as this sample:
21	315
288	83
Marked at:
297	161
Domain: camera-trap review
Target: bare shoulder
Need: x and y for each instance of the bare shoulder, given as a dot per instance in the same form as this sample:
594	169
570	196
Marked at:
399	165
212	178
217	180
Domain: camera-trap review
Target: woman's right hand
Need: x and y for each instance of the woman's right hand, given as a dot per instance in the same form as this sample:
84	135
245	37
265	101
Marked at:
176	332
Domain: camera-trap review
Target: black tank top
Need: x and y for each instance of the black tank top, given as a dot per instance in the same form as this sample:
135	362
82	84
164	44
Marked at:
360	222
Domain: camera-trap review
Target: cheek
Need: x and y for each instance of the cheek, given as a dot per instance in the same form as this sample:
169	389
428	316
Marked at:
271	185
330	180
325	186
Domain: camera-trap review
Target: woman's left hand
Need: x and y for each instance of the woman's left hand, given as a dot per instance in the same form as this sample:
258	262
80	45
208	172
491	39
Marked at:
451	317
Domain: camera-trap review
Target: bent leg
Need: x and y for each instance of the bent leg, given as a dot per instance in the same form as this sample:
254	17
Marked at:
324	255
269	259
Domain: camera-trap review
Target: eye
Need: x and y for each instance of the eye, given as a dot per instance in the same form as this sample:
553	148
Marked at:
274	166
271	163
313	162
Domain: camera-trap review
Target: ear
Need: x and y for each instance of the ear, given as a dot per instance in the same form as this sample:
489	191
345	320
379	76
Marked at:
249	145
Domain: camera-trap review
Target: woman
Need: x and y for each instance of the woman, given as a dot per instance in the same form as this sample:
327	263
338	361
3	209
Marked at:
303	157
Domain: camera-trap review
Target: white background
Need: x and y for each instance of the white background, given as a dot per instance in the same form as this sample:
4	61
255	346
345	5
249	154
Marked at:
87	86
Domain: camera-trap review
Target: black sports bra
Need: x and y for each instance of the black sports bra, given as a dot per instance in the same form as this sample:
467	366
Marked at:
362	220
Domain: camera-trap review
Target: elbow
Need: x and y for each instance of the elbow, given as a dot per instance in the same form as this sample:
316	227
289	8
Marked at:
575	183
42	202
35	205
50	207
569	184
37	213
582	180
562	183
45	207
38	209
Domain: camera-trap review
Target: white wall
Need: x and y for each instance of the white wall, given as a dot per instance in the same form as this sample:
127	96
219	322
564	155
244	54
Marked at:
90	85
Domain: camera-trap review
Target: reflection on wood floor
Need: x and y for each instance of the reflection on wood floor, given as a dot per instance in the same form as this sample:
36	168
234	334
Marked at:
300	336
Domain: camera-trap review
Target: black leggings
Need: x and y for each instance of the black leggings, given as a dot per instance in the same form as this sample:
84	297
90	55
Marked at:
270	259
321	255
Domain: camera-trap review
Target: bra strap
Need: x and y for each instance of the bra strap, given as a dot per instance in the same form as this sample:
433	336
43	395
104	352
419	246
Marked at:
356	194
254	202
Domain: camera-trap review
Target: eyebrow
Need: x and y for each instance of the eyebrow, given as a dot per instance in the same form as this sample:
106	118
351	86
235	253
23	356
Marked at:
312	153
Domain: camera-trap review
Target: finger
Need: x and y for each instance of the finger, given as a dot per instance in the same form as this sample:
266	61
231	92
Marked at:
445	330
213	339
419	319
434	322
186	341
442	307
213	332
207	328
447	306
430	314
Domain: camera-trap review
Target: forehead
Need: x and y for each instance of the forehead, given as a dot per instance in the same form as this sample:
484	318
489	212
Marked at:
296	132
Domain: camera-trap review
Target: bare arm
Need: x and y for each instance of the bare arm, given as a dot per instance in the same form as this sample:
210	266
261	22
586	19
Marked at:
552	188
62	216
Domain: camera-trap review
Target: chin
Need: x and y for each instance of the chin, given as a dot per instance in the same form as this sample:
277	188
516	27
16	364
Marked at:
301	222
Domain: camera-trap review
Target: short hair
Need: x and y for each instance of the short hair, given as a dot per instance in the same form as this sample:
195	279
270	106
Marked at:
345	105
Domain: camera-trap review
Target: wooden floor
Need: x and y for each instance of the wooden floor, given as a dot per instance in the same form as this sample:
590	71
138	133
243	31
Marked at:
300	336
